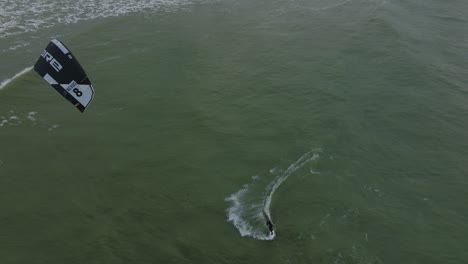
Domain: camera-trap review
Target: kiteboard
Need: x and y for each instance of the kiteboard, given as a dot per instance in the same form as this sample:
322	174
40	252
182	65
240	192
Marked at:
61	70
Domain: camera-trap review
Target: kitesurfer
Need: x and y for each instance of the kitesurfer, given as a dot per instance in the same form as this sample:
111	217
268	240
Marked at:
270	227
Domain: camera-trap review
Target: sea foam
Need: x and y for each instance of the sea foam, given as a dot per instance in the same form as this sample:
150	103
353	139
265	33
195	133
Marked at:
21	16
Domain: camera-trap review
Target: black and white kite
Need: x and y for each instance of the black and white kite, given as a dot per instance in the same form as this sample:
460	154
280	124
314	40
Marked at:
59	68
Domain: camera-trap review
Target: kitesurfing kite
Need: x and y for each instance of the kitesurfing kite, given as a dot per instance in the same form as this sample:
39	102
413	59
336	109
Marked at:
59	68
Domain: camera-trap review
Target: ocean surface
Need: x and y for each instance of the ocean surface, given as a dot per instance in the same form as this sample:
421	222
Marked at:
343	121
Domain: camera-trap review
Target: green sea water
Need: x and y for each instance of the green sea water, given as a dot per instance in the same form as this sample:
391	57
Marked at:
349	116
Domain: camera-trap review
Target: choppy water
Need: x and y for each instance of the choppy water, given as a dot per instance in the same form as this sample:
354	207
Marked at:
344	121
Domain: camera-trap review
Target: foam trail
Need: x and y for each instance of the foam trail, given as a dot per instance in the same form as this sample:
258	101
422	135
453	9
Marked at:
309	156
7	81
248	213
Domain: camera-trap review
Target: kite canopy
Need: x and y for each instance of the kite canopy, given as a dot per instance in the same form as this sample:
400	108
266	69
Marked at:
59	68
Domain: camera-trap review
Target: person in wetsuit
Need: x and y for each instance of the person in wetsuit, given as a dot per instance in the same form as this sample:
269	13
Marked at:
270	227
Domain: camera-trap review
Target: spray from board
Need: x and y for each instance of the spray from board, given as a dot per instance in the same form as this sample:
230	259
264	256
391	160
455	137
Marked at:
251	213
